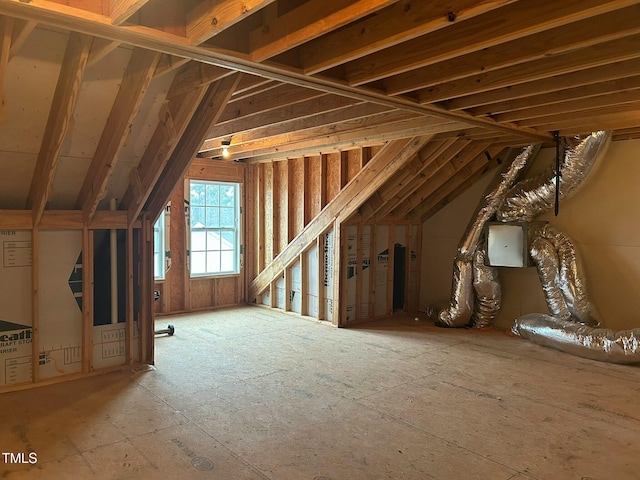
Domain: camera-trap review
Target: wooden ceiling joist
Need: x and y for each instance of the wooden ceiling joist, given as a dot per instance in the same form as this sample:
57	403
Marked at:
59	122
347	135
431	161
397	23
508	23
578	78
298	116
440	174
306	22
392	157
211	17
142	65
121	10
560	40
584	93
463	179
59	16
207	113
627	48
401	180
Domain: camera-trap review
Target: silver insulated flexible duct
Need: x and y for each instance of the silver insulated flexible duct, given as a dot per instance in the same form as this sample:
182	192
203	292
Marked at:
600	344
458	313
488	292
536	195
562	276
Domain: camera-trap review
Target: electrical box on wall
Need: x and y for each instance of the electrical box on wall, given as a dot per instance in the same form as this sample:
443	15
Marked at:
507	244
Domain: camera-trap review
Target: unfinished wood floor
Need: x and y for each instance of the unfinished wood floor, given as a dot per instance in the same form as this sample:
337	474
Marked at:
250	393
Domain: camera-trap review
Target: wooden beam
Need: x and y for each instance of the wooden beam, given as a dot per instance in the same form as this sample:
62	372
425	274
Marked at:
617	97
568	94
6	33
553	84
21	31
560	40
345	136
61	219
132	90
441	174
173	121
318	112
391	26
403	182
519	19
598	55
310	20
169	63
391	157
35	304
64	17
208	112
100	49
210	17
59	123
456	185
121	10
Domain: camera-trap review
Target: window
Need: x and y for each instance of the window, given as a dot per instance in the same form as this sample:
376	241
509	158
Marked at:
214	220
158	248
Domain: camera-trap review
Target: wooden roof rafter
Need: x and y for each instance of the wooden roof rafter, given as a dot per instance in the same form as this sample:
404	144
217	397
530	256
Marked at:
139	73
59	122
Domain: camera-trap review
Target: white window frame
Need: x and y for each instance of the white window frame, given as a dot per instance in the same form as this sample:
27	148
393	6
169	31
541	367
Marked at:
158	248
214	233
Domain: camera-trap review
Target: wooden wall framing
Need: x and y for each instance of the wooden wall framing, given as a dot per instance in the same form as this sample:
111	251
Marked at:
282	198
179	292
135	348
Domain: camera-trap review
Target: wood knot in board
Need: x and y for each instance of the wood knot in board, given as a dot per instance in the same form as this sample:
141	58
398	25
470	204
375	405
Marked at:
451	16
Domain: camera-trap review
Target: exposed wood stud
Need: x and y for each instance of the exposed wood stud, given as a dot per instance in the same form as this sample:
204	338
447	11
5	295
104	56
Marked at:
129	298
304	285
35	304
87	300
291	208
390	269
344	168
391	158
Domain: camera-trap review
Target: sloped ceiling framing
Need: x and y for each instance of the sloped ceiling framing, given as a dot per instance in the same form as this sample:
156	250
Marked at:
474	76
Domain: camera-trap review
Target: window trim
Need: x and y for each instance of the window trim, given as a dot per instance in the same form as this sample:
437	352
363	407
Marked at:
159	249
237	250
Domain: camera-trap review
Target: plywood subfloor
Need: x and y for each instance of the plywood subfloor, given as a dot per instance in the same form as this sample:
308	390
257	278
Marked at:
251	393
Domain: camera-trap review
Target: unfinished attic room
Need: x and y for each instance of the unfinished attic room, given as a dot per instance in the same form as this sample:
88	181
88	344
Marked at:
320	240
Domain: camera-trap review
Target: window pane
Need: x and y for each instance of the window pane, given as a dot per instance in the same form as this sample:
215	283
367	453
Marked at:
228	241
157	270
198	264
213	217
228	261
197	193
213	240
198	241
227	219
213	262
227	195
213	195
197	217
